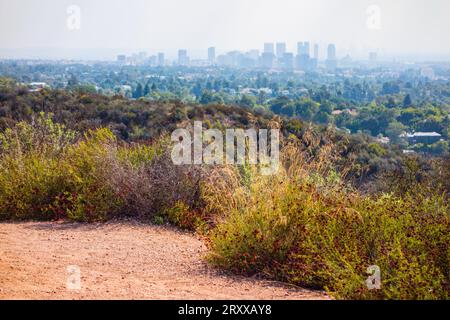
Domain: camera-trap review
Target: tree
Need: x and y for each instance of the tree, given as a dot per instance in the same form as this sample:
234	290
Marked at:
277	104
439	148
390	88
247	101
207	97
322	117
138	92
407	102
261	97
306	109
73	81
288	110
326	107
394	130
391	103
146	90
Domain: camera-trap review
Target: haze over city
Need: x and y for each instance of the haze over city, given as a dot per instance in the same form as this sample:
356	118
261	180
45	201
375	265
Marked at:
413	29
225	154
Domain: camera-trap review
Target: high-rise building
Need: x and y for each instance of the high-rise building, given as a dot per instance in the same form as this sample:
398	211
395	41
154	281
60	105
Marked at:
212	55
331	62
314	61
303	48
331	53
303	58
281	49
153	61
253	54
161	59
287	62
183	59
268	48
316	52
267	60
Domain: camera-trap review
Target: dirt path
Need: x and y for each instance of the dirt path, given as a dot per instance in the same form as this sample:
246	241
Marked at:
119	260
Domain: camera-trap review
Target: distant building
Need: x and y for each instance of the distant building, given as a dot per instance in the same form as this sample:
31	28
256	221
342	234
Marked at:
373	56
281	49
212	55
153	61
316	52
249	59
422	137
314	61
347	62
303	55
268	48
141	56
123	90
331	52
287	62
303	49
161	59
253	54
331	62
427	72
267	60
37	86
383	140
121	59
183	59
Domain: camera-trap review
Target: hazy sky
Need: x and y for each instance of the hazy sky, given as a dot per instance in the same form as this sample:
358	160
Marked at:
39	27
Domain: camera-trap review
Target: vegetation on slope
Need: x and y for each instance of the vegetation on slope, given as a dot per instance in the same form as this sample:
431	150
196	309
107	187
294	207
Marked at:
307	225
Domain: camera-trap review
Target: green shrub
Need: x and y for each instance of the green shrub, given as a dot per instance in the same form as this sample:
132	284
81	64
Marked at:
47	174
90	162
316	232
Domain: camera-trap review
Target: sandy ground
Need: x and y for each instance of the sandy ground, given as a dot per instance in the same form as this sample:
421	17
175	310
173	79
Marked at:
119	260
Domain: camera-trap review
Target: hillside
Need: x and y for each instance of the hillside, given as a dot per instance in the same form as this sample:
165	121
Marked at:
338	205
145	121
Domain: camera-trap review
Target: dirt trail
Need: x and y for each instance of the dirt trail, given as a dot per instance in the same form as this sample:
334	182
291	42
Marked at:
119	260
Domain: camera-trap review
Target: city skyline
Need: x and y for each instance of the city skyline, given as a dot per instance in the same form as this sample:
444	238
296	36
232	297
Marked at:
412	29
277	49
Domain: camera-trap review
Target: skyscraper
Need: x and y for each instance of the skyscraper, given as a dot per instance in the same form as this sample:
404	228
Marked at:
267	60
183	59
316	51
303	58
288	61
314	61
212	55
281	49
268	48
303	48
161	59
331	62
331	54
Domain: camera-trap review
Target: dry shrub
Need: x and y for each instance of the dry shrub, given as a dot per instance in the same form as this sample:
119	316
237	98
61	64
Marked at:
307	227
